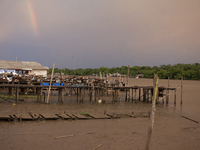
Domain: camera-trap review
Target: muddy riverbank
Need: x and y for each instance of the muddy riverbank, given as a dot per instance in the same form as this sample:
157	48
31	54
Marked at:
171	130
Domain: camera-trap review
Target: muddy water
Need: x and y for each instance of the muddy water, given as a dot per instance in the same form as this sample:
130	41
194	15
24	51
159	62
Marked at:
171	130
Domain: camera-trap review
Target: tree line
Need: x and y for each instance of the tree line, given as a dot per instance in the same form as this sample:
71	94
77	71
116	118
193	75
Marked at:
188	71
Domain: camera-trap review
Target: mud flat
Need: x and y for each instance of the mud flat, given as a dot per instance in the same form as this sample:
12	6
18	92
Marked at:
171	130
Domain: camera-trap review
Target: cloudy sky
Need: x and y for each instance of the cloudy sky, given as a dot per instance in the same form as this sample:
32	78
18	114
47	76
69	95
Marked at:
94	33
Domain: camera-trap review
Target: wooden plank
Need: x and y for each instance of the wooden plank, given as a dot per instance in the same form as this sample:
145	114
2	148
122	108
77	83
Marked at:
79	116
26	116
100	116
71	116
49	116
35	116
5	117
63	115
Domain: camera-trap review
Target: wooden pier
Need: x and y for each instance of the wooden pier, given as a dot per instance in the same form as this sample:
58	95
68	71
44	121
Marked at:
96	92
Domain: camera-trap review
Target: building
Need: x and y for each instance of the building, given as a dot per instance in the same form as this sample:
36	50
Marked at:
23	67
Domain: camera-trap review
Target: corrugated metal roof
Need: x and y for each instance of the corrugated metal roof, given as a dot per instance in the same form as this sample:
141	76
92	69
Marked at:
4	64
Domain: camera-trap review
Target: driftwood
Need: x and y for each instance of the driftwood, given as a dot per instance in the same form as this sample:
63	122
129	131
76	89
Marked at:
190	119
85	133
58	137
64	136
97	147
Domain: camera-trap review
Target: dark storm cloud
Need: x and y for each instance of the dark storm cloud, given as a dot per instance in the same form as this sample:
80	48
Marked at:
83	34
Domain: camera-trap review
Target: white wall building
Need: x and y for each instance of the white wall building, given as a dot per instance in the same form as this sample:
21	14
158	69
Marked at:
31	68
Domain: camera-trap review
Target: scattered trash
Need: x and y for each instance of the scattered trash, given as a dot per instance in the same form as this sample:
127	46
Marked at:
100	101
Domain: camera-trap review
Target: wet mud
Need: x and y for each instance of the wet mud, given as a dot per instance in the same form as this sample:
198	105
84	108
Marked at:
170	131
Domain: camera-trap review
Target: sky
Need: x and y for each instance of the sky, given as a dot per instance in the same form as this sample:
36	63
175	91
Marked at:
94	33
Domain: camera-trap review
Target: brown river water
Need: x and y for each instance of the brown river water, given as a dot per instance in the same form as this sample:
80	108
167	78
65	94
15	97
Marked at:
170	130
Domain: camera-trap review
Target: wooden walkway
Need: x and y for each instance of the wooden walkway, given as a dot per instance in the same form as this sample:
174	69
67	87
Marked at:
67	116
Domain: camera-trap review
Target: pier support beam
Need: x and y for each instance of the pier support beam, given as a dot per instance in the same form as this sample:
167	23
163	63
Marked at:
10	90
167	92
39	91
17	94
181	89
175	97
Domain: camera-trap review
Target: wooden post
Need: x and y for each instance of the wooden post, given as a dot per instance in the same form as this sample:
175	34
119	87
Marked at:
157	96
153	108
10	89
44	96
120	80
175	96
41	92
17	94
77	94
99	93
162	95
181	89
106	88
135	95
95	94
62	95
139	93
80	95
144	95
90	92
147	95
50	83
128	75
38	94
59	95
126	95
151	95
132	95
93	98
167	97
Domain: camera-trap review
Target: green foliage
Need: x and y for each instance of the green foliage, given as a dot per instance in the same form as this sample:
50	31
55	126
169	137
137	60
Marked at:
84	113
188	71
6	97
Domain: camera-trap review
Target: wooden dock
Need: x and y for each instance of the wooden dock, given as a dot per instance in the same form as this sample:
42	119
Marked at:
94	91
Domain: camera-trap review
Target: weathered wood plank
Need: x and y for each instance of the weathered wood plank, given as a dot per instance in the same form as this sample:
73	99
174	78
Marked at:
100	116
49	116
79	116
63	115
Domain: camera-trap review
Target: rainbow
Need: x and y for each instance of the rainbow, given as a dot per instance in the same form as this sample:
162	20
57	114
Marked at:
33	18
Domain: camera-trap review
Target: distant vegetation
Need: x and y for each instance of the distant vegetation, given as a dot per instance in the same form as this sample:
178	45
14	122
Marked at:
188	71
